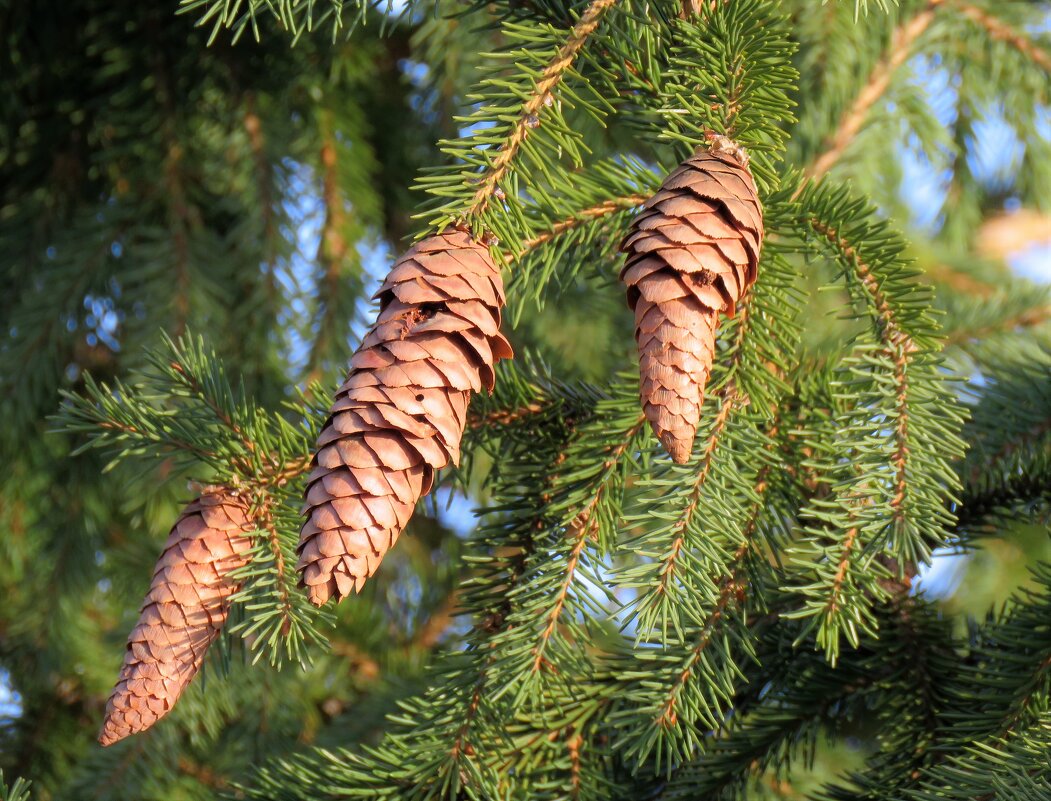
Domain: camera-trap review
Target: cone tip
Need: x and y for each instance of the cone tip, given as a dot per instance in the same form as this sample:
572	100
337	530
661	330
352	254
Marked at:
108	734
679	448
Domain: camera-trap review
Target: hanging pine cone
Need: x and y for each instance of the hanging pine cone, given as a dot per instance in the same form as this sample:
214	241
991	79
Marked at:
183	613
693	252
400	414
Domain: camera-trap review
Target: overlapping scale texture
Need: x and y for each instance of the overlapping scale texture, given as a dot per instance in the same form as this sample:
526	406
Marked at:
400	414
692	252
183	612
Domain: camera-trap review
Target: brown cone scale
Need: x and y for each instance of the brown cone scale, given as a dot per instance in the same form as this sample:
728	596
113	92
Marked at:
182	614
692	253
400	414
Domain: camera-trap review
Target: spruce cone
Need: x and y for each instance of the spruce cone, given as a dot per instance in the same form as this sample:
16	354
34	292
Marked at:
400	414
693	252
183	613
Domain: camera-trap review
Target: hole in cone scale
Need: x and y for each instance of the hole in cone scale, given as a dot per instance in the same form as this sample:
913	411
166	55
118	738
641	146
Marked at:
425	311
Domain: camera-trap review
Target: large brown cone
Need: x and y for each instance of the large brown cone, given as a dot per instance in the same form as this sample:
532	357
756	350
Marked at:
693	252
183	613
400	414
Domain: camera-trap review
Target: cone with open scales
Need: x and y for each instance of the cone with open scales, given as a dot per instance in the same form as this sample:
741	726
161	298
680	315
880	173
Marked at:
400	414
183	613
692	254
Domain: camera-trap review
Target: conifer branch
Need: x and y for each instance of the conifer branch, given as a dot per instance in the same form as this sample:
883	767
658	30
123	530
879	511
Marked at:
581	534
533	107
582	528
1009	448
1032	693
492	620
998	29
1030	318
729	590
192	384
505	417
253	126
731	400
581	217
732	586
898	345
169	441
285	583
850	124
332	249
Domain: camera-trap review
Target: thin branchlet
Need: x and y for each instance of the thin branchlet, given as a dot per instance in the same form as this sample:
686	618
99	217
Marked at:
902	41
533	107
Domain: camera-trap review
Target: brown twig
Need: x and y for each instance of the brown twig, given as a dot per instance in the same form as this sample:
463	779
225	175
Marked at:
1030	318
263	516
959	281
998	29
897	344
503	417
533	107
581	529
264	179
580	218
333	248
437	624
901	43
841	570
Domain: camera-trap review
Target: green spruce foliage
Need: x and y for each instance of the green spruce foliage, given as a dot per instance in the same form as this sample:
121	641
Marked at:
196	203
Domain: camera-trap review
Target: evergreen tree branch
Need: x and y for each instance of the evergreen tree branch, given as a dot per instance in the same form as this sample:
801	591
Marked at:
529	117
1029	318
998	29
253	126
890	495
332	249
730	401
902	41
959	281
733	585
731	589
798	697
1010	435
898	346
581	217
582	529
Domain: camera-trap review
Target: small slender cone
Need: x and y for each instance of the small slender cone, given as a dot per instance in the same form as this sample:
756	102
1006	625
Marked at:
692	253
183	612
400	414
